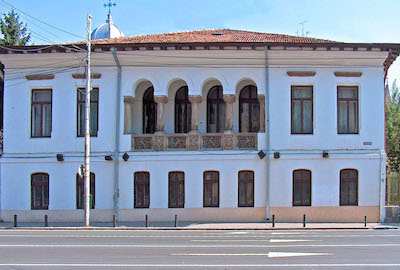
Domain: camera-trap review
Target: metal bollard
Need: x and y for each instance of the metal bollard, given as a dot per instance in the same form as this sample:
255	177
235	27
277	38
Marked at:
114	221
304	221
46	221
176	220
365	221
273	221
147	221
15	220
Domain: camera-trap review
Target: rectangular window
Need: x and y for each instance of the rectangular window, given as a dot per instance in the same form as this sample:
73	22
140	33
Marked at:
347	109
246	189
41	113
302	109
80	191
142	189
211	189
40	191
128	115
81	112
349	187
176	190
301	188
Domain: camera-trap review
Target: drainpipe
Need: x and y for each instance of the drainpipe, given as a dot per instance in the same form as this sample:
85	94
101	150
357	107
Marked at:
117	132
267	133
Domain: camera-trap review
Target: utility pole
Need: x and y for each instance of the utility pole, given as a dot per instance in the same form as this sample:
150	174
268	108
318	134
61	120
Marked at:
87	124
302	28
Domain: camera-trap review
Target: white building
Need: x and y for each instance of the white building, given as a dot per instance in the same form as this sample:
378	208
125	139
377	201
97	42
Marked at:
314	107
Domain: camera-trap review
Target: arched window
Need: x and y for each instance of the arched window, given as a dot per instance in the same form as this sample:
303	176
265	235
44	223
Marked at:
149	112
249	109
211	189
40	191
176	189
141	189
183	111
80	191
301	188
215	110
349	187
246	189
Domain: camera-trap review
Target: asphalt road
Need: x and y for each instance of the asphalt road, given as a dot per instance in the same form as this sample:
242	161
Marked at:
153	249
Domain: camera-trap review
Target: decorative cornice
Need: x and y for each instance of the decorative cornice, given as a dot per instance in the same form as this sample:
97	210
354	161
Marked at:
40	77
348	74
83	75
301	73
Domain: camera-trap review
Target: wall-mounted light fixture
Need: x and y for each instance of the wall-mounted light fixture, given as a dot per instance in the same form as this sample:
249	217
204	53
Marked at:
60	157
261	154
277	155
325	154
125	156
108	158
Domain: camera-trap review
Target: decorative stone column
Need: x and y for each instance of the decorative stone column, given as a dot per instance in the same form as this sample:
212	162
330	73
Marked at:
194	140
160	139
261	99
229	136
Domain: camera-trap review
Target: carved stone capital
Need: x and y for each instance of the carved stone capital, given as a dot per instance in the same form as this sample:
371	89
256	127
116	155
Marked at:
261	98
230	98
161	99
195	99
129	99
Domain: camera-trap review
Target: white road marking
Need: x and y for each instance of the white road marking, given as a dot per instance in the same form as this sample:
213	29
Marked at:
193	246
376	265
257	240
237	233
294	254
269	254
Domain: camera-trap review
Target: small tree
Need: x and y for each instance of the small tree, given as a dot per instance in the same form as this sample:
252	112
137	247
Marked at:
14	32
393	129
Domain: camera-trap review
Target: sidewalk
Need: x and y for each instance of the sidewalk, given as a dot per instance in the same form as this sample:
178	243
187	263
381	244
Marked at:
196	226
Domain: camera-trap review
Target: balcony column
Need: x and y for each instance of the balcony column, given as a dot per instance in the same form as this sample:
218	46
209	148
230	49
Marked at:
261	99
229	136
194	140
160	139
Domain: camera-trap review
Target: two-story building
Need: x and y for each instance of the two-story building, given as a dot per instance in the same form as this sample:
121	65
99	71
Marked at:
211	125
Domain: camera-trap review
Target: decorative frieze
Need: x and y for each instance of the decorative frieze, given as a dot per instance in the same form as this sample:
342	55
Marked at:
194	141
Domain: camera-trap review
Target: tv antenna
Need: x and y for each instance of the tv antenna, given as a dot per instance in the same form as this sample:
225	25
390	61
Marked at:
302	29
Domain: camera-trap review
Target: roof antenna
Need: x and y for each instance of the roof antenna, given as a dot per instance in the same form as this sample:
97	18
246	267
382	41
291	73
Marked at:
302	28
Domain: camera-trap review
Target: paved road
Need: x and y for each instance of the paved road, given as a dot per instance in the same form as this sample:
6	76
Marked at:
112	249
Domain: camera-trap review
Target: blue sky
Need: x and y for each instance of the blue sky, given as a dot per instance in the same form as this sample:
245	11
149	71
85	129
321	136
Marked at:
340	20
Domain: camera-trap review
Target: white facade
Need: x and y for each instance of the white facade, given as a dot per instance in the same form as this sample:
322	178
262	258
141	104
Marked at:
167	71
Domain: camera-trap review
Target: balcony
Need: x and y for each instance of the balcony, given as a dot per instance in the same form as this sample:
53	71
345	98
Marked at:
194	141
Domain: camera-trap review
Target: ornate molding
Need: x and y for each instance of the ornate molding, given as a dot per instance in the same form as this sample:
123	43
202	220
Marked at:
347	74
83	75
301	73
40	77
129	99
161	99
195	99
261	98
229	98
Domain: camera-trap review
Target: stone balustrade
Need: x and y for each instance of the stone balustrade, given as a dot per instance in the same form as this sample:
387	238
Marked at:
194	141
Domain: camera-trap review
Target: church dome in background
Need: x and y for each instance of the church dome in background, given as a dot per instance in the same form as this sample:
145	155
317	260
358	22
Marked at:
107	30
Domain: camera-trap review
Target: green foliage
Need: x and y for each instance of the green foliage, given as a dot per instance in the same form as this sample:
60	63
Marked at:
393	129
14	32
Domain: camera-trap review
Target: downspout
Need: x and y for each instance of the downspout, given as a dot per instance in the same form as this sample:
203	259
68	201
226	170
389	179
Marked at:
117	132
267	133
382	154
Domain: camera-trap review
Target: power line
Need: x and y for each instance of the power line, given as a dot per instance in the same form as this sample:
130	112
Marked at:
59	29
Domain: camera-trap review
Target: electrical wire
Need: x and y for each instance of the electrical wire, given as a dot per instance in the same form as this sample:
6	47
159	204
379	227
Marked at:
52	26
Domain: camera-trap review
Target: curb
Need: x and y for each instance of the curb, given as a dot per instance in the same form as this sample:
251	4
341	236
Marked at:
191	229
